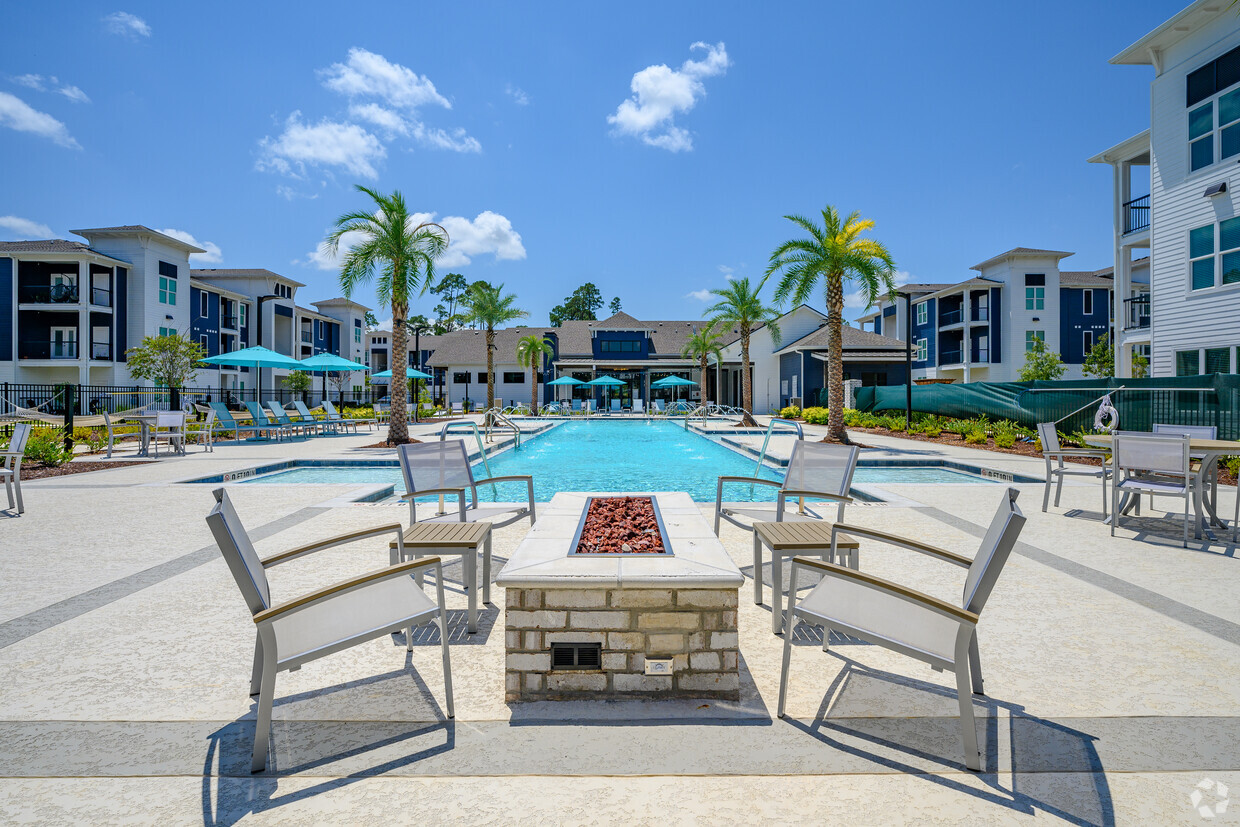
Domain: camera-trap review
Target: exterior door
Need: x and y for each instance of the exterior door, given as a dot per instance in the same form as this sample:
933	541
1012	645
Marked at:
64	343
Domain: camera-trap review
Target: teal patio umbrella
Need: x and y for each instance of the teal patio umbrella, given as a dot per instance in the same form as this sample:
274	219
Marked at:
326	363
259	357
606	382
410	373
567	380
672	382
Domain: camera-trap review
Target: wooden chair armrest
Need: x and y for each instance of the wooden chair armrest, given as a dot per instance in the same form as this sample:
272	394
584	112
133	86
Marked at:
386	573
894	589
338	540
759	480
821	495
904	542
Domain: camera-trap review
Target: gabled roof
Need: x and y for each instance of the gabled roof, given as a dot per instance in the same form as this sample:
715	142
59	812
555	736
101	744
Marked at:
619	321
469	347
1087	278
1148	50
138	229
854	340
243	273
55	245
341	301
1022	251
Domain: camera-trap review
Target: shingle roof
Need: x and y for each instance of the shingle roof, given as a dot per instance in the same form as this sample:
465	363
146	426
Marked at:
1087	278
469	347
242	273
139	228
53	245
1022	251
854	340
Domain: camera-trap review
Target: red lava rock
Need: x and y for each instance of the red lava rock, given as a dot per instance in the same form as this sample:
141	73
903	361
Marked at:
621	525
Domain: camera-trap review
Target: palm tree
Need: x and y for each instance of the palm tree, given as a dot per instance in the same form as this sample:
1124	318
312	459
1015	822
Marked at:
836	253
703	343
403	255
740	306
488	306
531	350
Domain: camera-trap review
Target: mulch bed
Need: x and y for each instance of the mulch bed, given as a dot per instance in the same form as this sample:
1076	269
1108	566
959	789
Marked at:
36	472
621	525
388	444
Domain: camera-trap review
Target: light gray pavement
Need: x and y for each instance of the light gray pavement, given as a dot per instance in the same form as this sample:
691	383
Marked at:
125	653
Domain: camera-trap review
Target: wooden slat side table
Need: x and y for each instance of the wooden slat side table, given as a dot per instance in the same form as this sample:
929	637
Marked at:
789	540
443	539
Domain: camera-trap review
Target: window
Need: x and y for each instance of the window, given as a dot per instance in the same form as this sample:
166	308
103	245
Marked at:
482	378
1087	302
202	340
460	377
1187	362
167	331
167	290
1087	341
1032	336
1215	123
1218	360
244	307
512	377
1204	273
610	346
923	350
202	304
357	332
921	313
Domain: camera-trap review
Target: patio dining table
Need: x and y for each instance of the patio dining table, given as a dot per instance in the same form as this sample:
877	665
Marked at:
147	421
1208	451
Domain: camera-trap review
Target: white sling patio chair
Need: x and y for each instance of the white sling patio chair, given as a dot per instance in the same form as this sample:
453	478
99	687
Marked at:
1052	451
11	465
170	425
204	430
638	407
816	470
328	620
907	621
458	408
1159	464
443	469
334	417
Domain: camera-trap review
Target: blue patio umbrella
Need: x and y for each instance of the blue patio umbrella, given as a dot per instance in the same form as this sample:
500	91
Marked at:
326	363
672	382
567	380
259	357
606	382
410	373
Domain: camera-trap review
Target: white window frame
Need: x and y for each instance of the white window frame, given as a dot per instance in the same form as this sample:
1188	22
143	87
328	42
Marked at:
1087	341
168	290
1217	255
68	339
1087	301
1036	334
203	303
357	335
1035	298
206	348
241	314
1215	133
922	312
167	331
923	349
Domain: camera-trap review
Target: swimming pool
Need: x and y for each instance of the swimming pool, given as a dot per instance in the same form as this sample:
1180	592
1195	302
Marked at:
614	456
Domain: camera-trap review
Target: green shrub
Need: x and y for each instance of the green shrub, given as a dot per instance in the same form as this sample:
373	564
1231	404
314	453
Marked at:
95	439
815	416
933	431
1231	464
852	418
1005	439
46	446
790	412
975	437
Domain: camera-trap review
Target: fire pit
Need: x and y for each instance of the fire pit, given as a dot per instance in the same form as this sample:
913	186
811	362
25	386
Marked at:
586	618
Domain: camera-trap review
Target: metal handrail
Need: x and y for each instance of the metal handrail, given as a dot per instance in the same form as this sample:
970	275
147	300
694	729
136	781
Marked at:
491	416
769	430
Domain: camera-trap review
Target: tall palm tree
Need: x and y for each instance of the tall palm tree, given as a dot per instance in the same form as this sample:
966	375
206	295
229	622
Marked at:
403	256
531	350
486	305
740	306
835	253
701	344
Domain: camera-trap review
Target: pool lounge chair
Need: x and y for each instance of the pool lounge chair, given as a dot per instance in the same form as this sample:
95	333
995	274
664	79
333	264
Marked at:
443	469
228	423
263	419
658	408
638	407
941	633
458	408
324	424
334	417
616	407
11	465
331	619
294	425
816	470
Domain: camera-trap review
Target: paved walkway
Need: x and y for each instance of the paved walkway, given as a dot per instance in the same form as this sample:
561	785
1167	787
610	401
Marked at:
125	654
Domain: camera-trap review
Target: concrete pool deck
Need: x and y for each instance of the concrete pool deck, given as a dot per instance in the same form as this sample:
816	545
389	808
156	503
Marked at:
125	653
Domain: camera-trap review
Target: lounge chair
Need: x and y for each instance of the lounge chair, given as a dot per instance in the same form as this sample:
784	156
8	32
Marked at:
1159	464
658	408
443	469
204	430
11	469
335	418
638	407
171	426
1052	450
816	470
616	407
227	422
895	617
263	419
294	425
305	414
329	620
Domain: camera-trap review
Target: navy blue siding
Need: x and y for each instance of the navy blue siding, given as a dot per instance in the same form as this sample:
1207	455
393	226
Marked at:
643	351
926	331
120	309
1073	321
789	367
6	309
996	326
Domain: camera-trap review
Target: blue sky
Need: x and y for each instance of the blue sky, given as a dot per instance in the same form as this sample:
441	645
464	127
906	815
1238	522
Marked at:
568	142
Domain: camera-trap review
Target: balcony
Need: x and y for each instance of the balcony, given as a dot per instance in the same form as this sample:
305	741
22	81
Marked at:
1137	215
229	320
950	317
981	314
1137	313
305	337
48	294
980	355
101	350
45	349
951	357
101	297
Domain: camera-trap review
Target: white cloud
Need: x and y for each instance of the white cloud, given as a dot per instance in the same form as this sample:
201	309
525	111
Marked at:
213	254
17	114
23	229
700	295
288	193
386	119
327	143
126	25
51	83
457	140
517	94
489	233
659	92
368	75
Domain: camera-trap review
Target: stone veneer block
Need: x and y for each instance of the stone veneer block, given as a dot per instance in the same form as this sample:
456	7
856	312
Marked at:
680	605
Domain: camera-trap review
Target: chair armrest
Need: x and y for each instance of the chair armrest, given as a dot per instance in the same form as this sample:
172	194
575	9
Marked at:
759	480
386	573
904	542
822	495
12	453
894	589
338	540
1078	452
430	492
511	478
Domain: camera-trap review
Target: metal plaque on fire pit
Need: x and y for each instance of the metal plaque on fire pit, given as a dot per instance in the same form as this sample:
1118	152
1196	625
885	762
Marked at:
621	525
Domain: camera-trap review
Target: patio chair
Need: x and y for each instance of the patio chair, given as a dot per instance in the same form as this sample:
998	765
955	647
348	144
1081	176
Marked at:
263	419
588	407
334	417
305	414
171	426
308	427
328	620
229	422
816	470
1153	464
442	468
1192	432
639	407
204	431
11	469
458	408
1052	450
658	407
112	427
615	406
895	617
383	412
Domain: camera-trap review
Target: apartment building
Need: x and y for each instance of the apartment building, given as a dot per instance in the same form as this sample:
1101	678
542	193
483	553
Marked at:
1174	200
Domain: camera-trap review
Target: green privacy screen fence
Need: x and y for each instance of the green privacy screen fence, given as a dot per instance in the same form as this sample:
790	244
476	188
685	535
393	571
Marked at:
1185	400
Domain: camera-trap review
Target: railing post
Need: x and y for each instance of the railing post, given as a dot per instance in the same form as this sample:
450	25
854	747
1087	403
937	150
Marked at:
70	403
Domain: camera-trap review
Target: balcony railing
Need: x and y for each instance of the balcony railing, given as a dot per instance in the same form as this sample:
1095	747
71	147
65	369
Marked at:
229	320
981	314
1137	313
951	317
48	294
101	297
1137	214
101	350
951	357
980	354
305	336
44	349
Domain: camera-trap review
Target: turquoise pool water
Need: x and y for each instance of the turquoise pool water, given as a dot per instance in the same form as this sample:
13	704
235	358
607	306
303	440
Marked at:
613	456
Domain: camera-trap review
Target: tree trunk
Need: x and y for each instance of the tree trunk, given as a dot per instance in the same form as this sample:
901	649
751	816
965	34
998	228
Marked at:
702	382
398	394
533	390
746	390
490	368
835	355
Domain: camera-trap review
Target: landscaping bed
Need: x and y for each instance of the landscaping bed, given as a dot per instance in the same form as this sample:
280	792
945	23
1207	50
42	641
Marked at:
36	472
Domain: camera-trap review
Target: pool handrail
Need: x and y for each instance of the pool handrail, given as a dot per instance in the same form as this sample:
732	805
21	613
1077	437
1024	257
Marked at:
491	417
470	424
766	440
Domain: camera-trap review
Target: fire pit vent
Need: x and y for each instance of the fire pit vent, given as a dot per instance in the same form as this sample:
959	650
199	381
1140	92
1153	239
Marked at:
576	656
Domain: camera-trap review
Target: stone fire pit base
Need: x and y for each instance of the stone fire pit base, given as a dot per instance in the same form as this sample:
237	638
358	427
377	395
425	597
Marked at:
695	627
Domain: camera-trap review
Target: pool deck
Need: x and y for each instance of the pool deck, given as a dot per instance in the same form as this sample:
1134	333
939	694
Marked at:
125	649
